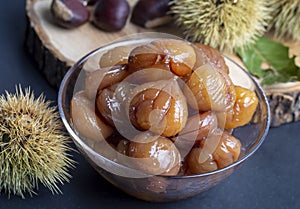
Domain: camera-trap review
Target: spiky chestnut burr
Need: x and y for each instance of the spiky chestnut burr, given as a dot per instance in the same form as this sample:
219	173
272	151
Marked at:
286	20
33	147
222	24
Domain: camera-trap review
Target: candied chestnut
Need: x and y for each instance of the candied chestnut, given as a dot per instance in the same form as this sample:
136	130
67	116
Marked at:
206	54
209	89
106	150
228	150
226	153
150	75
116	56
197	128
85	120
104	104
176	56
103	78
113	100
157	155
201	125
123	146
159	106
243	110
194	167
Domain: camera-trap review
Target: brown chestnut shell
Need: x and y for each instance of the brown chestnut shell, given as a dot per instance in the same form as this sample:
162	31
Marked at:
69	13
111	15
146	11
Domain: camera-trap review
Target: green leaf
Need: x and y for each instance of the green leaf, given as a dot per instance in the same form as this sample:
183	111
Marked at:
275	56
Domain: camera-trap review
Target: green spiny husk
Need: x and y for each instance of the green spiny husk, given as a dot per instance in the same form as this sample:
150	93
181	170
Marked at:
222	24
33	147
286	21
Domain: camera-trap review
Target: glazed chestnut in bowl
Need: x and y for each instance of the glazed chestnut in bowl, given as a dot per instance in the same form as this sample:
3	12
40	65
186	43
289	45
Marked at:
161	118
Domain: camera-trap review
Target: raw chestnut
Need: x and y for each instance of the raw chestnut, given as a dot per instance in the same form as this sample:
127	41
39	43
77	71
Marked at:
90	2
69	13
176	56
226	153
159	107
111	15
209	89
150	13
158	155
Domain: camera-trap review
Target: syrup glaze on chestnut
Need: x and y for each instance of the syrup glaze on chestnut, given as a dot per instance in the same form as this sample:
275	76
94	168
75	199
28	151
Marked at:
178	116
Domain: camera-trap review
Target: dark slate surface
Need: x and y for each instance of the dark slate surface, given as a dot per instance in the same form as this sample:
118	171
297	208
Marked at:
270	179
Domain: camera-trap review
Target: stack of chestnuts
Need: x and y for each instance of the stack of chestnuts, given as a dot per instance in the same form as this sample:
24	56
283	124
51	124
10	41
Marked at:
109	15
168	105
